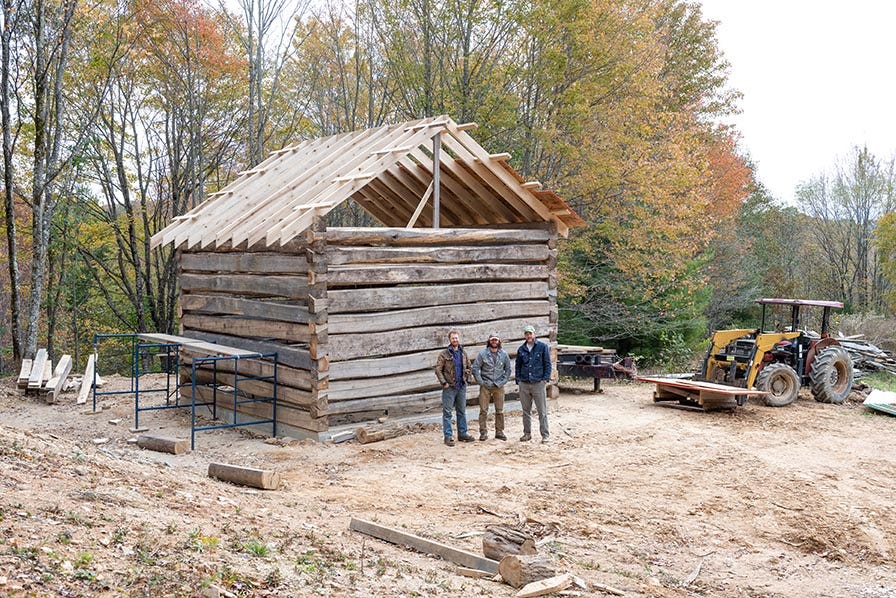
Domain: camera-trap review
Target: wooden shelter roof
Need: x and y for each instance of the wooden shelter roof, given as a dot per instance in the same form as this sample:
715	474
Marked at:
387	170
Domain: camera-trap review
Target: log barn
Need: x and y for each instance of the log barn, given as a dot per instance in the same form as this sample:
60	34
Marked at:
358	315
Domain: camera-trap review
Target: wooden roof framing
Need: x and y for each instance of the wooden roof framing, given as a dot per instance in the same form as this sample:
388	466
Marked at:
387	170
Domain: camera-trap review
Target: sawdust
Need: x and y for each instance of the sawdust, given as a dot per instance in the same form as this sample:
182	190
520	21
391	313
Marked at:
650	500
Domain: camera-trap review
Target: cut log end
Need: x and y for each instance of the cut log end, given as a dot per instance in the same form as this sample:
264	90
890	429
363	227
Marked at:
245	476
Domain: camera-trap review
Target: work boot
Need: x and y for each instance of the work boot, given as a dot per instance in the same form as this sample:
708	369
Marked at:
500	436
545	439
465	438
449	441
525	438
483	436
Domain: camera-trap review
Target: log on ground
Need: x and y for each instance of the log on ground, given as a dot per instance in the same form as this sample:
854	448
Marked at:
245	476
175	446
499	542
521	569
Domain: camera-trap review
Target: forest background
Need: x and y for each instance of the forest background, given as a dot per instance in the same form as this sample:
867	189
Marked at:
118	116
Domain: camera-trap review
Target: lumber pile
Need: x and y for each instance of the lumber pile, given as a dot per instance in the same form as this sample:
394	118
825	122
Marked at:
38	376
867	357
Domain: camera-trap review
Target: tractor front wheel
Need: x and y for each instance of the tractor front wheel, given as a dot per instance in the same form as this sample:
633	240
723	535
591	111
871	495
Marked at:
830	376
781	383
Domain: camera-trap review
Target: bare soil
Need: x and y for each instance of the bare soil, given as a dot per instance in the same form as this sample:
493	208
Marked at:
649	500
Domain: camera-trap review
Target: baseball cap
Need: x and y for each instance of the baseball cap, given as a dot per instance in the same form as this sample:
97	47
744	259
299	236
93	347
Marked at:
494	335
529	328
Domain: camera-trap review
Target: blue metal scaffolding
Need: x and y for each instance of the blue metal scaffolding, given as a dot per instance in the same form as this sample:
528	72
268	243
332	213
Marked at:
141	354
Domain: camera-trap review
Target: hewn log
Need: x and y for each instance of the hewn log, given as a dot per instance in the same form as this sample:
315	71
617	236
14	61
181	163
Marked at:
174	446
252	263
24	373
352	346
245	476
286	414
379	299
291	356
462	313
240	306
248	327
387	385
54	385
291	287
444	236
521	569
260	388
337	256
377	274
499	542
286	375
36	378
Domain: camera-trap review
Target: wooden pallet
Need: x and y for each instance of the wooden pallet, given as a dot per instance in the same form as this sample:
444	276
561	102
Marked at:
706	395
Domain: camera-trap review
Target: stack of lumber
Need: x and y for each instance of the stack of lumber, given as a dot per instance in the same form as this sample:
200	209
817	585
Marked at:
38	377
867	357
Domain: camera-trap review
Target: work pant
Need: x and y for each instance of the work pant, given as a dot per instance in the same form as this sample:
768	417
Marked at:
489	394
454	399
534	392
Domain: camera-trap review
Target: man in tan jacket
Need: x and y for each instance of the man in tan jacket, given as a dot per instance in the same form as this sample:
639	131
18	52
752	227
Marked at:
453	371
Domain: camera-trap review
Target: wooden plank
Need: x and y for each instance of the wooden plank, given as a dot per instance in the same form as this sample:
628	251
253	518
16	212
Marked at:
464	313
394	536
249	262
220	304
446	236
543	587
264	479
248	327
24	373
291	356
697	385
352	346
381	299
87	380
36	378
420	206
291	287
54	385
207	349
339	256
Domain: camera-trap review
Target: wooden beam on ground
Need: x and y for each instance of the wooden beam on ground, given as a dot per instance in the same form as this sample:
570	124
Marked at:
54	385
544	587
36	378
454	555
175	446
245	476
87	381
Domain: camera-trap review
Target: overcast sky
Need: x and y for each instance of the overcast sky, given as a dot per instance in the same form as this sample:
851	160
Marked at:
817	77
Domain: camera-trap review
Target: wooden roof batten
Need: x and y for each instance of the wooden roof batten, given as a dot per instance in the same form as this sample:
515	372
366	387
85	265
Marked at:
275	201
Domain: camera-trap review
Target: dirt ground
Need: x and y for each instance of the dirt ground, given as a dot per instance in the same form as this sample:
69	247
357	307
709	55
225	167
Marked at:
646	499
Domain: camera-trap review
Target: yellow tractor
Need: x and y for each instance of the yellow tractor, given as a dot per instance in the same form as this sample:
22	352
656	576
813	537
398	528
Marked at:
782	361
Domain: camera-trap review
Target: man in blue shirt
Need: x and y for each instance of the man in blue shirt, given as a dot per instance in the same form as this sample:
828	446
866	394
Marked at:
453	370
533	371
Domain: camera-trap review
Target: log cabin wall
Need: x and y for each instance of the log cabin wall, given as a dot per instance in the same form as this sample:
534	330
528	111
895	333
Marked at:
393	295
262	301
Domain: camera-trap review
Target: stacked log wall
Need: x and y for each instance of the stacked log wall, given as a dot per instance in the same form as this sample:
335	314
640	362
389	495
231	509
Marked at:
393	295
264	301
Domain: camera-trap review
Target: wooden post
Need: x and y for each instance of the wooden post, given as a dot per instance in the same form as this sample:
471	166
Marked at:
436	166
245	476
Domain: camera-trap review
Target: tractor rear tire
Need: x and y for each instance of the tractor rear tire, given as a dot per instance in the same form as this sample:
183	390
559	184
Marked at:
781	382
830	376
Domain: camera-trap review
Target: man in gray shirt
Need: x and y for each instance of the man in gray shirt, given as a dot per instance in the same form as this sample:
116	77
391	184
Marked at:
491	368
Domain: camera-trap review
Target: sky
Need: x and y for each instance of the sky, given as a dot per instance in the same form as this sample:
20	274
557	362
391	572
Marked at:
817	78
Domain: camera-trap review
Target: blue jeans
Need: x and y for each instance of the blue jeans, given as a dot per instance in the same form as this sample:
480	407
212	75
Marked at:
454	399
